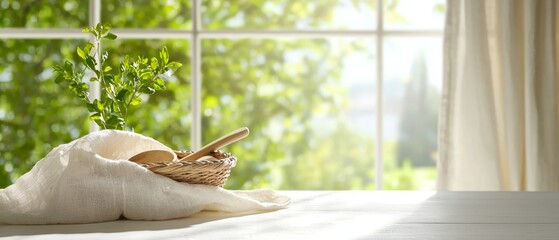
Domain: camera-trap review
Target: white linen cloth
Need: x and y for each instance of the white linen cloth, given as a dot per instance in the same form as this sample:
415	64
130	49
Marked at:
499	122
90	180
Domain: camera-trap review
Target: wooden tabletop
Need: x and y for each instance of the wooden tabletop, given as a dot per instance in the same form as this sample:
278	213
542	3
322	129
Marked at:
345	215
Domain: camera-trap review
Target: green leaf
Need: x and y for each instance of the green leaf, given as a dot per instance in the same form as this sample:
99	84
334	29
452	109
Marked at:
87	48
100	123
91	30
90	62
104	28
115	121
93	79
159	82
110	36
81	53
109	78
130	88
118	80
146	75
84	86
164	55
136	101
68	66
95	116
98	27
121	94
97	105
158	87
91	107
154	64
132	76
107	69
174	65
59	79
58	68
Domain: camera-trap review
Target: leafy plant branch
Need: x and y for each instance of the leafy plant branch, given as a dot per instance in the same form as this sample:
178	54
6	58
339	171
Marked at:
120	91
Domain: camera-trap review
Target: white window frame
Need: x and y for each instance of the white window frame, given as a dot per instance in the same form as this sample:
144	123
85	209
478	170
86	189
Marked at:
197	34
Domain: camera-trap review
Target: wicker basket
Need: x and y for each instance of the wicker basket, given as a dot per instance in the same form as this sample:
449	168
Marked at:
208	171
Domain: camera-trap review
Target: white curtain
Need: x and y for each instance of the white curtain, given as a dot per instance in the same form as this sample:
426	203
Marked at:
499	122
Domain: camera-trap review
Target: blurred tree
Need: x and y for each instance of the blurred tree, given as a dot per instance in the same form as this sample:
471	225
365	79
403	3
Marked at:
174	14
35	115
281	89
418	128
43	14
276	86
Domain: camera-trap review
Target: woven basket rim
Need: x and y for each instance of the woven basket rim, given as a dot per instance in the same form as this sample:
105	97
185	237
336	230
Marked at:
208	171
228	161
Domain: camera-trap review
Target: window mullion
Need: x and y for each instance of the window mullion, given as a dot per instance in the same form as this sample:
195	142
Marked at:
196	79
379	181
94	87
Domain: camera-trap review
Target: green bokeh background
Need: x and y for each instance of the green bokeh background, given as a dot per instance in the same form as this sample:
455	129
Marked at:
302	78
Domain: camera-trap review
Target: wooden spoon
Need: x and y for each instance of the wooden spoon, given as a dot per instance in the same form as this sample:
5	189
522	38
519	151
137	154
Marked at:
218	143
153	156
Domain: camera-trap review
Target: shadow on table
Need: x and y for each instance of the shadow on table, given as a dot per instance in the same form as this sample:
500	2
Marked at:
119	225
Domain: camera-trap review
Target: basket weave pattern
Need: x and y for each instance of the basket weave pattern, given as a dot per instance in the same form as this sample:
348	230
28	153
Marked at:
202	171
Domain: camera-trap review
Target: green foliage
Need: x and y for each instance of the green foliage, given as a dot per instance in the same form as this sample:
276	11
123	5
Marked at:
44	13
341	160
175	14
119	92
281	89
418	128
165	115
34	116
408	177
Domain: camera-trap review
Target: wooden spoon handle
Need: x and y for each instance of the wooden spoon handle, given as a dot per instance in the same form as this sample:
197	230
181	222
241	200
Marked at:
218	143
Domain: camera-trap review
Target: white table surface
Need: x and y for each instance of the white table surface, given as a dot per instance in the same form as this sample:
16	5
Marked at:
344	215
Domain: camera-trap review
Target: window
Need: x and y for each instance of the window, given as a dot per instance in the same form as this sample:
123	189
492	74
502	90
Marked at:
339	94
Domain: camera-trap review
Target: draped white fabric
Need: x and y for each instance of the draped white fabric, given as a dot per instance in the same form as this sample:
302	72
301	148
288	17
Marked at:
499	123
89	180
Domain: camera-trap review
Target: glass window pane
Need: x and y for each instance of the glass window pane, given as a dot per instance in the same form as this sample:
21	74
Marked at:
287	14
36	114
414	14
43	14
412	88
308	103
165	115
174	14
